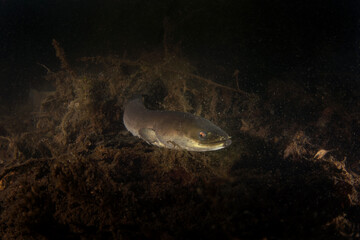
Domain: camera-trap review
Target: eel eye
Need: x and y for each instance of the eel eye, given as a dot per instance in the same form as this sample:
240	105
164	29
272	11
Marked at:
202	134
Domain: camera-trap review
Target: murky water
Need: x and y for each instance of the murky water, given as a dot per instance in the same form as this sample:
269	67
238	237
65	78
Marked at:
281	78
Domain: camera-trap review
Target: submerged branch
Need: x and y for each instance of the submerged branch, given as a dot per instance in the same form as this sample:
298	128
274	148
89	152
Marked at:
139	63
60	54
209	81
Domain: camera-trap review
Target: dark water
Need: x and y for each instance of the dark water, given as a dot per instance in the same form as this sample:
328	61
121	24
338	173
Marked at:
281	77
262	39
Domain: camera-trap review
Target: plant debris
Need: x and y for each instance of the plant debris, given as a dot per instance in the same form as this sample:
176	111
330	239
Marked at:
73	170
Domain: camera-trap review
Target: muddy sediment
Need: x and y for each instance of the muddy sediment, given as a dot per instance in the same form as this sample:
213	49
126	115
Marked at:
70	170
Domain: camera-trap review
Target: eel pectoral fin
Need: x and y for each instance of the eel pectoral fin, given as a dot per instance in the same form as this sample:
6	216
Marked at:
148	135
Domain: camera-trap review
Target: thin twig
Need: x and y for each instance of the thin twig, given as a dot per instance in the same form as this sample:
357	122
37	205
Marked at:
208	81
137	63
47	69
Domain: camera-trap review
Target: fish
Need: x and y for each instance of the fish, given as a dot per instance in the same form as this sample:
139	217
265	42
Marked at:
173	130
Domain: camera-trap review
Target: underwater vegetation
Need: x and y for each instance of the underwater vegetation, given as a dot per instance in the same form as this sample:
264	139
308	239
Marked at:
70	169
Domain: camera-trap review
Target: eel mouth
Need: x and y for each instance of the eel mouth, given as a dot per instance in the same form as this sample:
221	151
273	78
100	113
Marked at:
224	141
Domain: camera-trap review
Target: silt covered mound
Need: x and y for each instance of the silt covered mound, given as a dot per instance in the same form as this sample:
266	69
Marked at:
72	171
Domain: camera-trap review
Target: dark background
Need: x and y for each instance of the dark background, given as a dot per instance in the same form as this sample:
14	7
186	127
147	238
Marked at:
263	39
